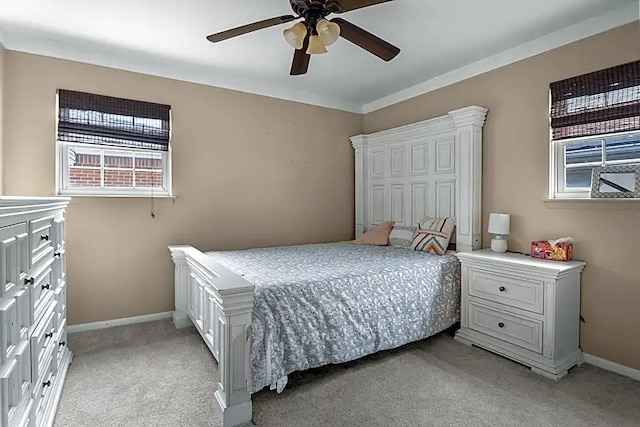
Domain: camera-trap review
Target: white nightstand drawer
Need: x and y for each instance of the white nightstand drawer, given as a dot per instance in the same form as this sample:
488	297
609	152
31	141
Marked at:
517	330
527	294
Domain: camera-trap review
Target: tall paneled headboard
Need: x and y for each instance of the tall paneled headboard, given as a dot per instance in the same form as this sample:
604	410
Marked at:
432	168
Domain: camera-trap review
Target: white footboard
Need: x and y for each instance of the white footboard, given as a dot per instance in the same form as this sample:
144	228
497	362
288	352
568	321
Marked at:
219	303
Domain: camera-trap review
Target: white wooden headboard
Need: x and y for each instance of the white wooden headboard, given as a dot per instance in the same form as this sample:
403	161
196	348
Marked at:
431	168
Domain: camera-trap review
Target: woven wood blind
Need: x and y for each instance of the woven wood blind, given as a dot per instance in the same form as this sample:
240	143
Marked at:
104	120
602	102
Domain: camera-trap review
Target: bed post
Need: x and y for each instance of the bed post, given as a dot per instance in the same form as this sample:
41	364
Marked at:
219	303
181	313
233	394
359	144
469	122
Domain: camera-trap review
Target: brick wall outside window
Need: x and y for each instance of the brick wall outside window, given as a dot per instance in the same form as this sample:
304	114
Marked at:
84	177
85	172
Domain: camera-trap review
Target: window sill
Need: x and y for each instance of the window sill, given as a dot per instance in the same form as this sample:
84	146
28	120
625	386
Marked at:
588	199
117	196
588	203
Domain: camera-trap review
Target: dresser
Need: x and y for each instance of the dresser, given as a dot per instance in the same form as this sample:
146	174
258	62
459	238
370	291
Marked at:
34	356
522	308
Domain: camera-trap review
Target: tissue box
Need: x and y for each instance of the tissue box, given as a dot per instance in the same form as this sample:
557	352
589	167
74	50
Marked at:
544	250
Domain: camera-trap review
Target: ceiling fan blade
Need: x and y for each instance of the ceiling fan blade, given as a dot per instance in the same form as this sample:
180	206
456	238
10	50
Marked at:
301	59
342	6
356	35
249	28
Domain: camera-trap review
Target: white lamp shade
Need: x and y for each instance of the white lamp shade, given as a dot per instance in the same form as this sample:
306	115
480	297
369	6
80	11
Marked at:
295	35
499	224
315	46
328	32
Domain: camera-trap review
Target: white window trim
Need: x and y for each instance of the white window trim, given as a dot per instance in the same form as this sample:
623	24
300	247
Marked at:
62	174
557	167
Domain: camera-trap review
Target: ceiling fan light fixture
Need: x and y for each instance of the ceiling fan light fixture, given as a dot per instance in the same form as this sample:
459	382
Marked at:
295	35
315	46
328	32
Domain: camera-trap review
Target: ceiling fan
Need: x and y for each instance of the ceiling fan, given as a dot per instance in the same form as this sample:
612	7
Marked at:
312	35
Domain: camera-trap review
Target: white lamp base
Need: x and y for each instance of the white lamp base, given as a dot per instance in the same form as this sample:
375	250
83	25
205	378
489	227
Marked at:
499	245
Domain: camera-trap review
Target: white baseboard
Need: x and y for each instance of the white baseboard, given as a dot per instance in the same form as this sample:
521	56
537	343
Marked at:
119	322
612	366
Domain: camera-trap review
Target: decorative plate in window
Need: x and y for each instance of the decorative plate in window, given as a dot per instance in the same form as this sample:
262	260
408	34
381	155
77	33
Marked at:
616	182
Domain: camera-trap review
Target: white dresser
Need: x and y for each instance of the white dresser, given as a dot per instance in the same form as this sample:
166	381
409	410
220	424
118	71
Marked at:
33	353
523	308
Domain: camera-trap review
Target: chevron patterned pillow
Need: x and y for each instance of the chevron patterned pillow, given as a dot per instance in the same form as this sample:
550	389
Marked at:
433	235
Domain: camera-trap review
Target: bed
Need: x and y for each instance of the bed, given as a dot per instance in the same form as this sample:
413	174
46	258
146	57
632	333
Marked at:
265	313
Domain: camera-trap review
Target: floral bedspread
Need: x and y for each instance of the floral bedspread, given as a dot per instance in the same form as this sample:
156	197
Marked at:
330	303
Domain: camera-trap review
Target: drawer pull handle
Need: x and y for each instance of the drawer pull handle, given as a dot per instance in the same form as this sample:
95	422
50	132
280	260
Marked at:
44	237
62	343
30	281
47	384
502	289
501	325
49	335
57	254
47	286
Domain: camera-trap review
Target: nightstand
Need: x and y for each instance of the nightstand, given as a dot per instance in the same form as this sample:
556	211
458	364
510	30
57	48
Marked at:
523	308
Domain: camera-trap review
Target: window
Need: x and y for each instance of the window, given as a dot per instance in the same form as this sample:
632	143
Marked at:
112	146
595	121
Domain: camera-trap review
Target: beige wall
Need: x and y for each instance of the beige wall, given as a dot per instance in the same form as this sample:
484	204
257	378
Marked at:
515	180
248	171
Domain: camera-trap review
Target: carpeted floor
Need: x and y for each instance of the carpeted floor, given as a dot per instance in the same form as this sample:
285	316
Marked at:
154	375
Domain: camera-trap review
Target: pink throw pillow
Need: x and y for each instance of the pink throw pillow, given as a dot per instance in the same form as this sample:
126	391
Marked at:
377	235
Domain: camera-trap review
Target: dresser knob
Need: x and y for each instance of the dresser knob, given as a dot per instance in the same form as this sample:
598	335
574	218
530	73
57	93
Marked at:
44	237
502	289
30	281
57	254
47	286
47	384
501	325
62	343
49	335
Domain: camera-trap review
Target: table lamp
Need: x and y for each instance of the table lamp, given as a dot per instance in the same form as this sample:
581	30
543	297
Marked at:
499	226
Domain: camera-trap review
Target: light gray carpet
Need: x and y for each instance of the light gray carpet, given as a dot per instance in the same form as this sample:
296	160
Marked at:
154	375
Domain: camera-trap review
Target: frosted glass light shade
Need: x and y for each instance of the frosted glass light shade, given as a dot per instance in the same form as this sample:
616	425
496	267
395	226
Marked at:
295	35
328	32
499	224
315	46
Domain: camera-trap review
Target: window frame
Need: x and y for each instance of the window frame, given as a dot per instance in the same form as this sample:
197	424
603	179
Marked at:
62	173
558	167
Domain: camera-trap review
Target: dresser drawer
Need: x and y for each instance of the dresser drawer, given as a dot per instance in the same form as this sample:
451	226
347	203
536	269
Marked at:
14	397
61	343
24	313
517	330
41	290
43	342
42	394
9	330
9	391
41	232
527	294
61	299
23	357
59	267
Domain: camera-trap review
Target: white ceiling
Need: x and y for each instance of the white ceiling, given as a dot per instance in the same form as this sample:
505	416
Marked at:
167	37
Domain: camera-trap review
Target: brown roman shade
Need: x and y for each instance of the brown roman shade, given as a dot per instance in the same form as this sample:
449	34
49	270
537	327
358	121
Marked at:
602	102
104	120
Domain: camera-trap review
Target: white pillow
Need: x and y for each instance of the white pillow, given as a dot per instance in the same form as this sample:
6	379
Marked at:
402	237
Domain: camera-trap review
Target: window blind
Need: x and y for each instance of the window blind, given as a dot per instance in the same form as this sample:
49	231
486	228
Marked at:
97	119
602	102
